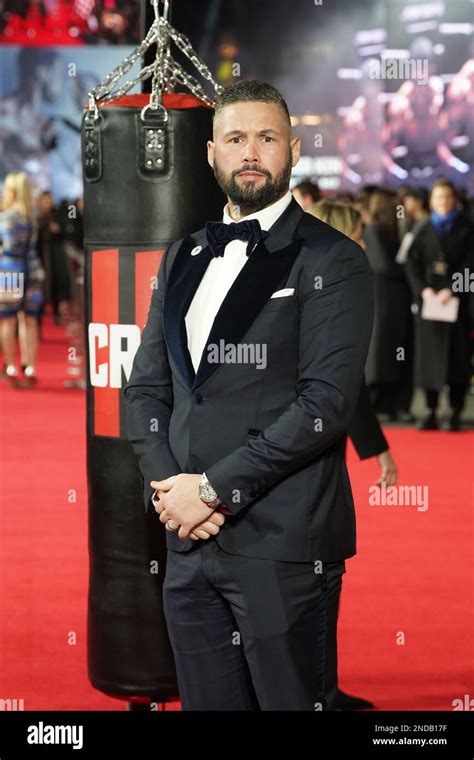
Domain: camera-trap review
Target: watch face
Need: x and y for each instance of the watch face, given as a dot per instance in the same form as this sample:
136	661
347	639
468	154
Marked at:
206	494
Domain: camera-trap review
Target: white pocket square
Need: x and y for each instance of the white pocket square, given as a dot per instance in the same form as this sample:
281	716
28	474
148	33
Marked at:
283	293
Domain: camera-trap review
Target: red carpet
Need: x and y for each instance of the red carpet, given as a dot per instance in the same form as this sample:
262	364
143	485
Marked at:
413	574
412	577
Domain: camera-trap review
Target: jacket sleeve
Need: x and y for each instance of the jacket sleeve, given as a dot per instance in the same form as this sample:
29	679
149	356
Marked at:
335	328
365	431
149	395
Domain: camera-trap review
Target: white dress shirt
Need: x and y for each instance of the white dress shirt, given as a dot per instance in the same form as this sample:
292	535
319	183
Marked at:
219	277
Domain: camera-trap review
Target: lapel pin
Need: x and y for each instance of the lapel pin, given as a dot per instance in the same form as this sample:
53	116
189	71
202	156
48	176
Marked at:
197	249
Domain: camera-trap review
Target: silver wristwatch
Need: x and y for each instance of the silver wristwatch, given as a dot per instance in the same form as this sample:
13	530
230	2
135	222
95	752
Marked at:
207	493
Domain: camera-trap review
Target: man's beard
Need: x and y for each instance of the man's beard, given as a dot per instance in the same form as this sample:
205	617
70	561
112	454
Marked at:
248	196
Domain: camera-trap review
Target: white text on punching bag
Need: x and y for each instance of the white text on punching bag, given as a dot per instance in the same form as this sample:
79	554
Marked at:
109	374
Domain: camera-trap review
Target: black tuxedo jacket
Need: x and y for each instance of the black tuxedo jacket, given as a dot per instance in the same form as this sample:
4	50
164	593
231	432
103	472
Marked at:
270	439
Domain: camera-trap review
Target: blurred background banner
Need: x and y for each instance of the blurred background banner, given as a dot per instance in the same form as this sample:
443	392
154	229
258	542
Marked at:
42	96
379	92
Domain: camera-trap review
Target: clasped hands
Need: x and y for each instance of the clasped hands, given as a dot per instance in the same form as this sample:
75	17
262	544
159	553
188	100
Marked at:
179	505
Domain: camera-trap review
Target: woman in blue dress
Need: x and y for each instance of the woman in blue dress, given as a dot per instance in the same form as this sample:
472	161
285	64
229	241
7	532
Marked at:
21	279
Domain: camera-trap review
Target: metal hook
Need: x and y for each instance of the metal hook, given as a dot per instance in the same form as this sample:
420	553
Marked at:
93	107
155	106
156	8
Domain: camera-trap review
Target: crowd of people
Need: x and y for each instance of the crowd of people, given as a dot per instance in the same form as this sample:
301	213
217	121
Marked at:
420	246
41	269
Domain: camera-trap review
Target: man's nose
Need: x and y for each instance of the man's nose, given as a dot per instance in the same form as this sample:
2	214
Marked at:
250	153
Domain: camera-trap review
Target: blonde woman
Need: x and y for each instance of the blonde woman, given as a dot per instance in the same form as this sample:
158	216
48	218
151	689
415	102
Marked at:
342	217
21	279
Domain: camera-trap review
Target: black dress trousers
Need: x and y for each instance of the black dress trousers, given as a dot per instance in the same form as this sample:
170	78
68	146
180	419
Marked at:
252	634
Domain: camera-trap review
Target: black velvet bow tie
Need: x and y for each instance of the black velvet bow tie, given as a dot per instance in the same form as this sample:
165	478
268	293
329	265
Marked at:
219	234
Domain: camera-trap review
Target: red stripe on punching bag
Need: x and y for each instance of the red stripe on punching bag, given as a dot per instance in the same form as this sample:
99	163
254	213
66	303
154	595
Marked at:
105	311
171	100
146	267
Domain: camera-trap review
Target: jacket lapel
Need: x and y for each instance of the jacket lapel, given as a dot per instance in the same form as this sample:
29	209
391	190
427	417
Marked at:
185	276
266	270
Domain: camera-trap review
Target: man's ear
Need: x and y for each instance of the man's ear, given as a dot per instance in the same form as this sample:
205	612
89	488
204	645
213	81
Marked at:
210	153
295	147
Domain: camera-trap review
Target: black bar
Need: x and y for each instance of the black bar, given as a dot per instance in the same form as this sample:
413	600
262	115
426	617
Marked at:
329	734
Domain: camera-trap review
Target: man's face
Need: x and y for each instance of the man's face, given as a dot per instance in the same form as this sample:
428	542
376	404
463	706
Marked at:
252	154
443	200
411	205
45	203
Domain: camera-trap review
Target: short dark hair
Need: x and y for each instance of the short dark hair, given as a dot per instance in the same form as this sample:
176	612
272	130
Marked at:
251	90
307	187
420	194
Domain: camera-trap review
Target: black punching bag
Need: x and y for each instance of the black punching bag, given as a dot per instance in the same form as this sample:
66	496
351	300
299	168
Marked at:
146	183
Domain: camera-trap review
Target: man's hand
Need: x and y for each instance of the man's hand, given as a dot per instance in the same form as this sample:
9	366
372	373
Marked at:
388	469
204	530
179	501
210	527
217	518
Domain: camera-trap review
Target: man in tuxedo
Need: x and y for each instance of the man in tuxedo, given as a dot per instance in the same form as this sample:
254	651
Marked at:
239	400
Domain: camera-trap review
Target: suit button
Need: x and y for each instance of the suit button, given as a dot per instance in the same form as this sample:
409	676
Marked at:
198	399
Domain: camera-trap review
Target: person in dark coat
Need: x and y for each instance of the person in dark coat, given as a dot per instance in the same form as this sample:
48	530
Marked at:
438	260
365	432
52	234
388	370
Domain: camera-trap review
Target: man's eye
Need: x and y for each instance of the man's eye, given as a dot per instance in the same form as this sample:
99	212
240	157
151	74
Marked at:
267	137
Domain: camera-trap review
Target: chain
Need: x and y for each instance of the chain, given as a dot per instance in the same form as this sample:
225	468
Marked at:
165	71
